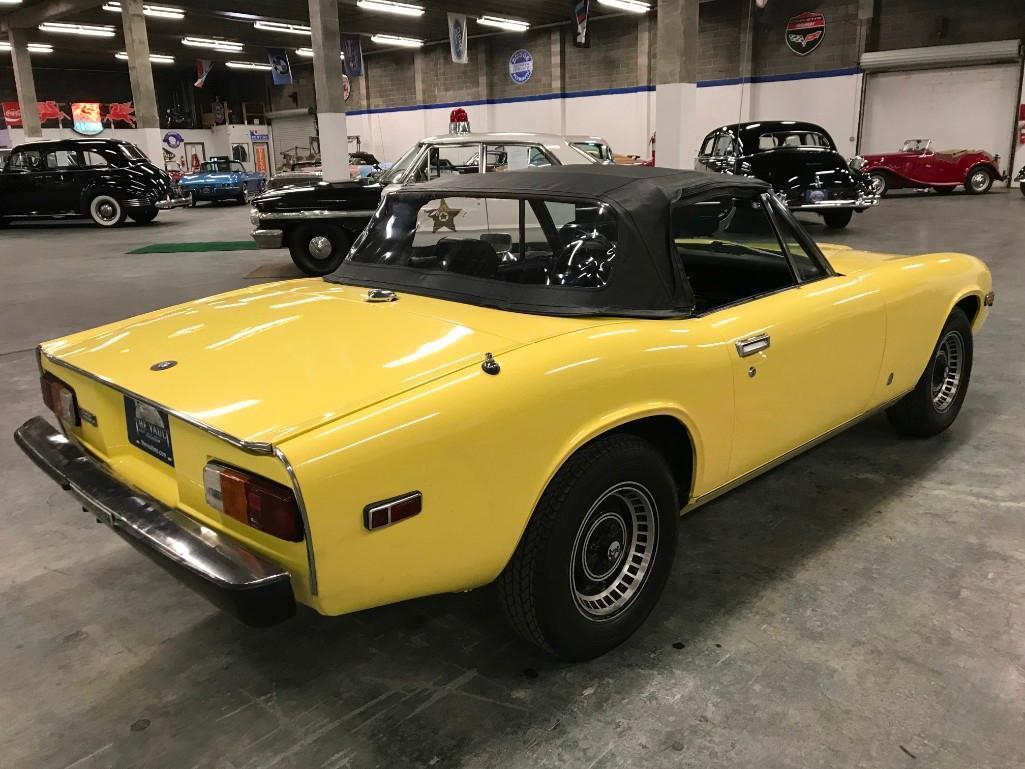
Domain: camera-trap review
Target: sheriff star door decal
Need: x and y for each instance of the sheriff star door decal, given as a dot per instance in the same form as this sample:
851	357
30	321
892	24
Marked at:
444	217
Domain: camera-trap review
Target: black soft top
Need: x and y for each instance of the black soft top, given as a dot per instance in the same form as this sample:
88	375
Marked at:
646	281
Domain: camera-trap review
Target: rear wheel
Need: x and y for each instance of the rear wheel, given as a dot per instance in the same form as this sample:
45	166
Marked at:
318	248
597	551
878	183
979	180
838	219
144	216
935	402
106	210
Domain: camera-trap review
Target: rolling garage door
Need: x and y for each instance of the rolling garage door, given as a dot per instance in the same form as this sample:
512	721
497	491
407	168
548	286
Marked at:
290	130
972	106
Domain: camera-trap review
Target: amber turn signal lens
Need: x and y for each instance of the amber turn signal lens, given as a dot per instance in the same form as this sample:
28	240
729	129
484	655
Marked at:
258	502
60	399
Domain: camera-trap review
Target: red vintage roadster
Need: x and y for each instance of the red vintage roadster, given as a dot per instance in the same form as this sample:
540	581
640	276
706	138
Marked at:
919	166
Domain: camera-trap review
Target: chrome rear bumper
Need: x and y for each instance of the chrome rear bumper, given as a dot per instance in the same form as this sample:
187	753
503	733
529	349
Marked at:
861	203
231	576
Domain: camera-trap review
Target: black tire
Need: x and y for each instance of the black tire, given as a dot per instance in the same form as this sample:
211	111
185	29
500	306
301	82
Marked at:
194	202
943	190
837	220
319	247
935	402
106	209
4	222
879	183
144	216
1022	188
576	527
978	181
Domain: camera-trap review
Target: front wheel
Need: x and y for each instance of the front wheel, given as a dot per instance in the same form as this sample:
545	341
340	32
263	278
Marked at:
935	402
979	180
1022	188
144	216
106	210
597	552
319	248
878	183
837	220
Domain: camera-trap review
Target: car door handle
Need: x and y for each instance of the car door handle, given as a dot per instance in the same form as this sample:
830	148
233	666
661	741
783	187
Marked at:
752	345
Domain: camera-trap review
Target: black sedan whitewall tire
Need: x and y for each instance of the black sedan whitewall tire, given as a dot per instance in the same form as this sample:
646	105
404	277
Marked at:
935	402
106	210
318	248
597	551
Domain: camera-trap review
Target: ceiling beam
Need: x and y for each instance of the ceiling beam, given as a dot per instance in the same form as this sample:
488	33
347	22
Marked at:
35	15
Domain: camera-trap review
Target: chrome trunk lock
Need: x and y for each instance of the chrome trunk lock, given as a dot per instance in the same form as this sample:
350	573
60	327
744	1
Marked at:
490	365
380	295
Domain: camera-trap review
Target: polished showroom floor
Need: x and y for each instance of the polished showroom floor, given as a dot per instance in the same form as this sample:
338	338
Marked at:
861	606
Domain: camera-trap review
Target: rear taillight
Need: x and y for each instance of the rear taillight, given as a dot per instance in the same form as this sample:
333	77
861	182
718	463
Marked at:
60	399
265	505
377	515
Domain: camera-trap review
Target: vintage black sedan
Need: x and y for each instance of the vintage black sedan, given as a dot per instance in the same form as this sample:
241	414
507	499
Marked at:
105	179
799	160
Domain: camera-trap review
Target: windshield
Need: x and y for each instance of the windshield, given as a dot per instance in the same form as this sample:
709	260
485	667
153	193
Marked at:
776	139
596	150
220	166
398	170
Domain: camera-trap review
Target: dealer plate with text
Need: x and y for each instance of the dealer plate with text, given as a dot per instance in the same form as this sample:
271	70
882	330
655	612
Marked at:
148	429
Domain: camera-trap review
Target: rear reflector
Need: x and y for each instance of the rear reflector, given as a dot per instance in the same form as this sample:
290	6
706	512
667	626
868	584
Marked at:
263	504
60	399
388	511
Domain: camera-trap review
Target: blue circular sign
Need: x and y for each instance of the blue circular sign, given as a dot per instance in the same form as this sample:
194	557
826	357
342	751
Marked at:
521	66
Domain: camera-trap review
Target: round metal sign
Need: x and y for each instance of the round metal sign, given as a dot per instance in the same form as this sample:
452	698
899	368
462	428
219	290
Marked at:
805	32
521	66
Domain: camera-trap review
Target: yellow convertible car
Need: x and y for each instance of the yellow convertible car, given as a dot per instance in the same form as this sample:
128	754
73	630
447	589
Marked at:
521	377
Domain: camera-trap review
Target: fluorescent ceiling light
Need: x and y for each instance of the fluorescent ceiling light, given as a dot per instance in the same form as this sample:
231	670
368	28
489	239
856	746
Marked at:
402	42
229	46
157	11
155	58
32	47
279	26
635	6
388	6
307	53
513	25
10	2
249	65
86	30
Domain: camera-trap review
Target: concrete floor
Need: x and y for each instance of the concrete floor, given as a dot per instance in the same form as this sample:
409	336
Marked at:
862	606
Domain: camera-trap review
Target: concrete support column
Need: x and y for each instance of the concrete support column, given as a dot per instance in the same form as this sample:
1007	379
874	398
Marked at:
558	80
866	22
747	46
644	78
140	72
25	84
327	77
483	86
676	68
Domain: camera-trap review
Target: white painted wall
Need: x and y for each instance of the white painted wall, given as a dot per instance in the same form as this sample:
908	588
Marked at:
960	108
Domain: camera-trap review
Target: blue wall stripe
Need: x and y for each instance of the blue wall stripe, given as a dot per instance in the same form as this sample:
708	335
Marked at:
609	91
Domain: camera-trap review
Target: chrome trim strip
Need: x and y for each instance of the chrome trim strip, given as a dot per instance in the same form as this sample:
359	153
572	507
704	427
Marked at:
314	214
179	538
860	203
250	447
773	464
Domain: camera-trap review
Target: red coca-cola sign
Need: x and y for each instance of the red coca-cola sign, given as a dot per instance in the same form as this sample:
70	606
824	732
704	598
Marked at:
12	114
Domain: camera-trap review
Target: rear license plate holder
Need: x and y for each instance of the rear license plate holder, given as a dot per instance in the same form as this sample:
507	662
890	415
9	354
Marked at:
149	429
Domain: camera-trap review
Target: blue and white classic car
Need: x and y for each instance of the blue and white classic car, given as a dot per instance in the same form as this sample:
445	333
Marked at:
221	178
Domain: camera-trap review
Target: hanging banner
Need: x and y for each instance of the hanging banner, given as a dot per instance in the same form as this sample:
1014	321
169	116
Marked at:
352	55
581	10
12	114
805	32
457	38
86	117
281	71
203	67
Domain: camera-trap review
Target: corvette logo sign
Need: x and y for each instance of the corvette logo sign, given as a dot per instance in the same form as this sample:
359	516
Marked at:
805	32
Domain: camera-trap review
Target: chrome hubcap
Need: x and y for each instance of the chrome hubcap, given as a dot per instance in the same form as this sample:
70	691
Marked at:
320	247
613	551
979	179
106	210
947	368
877	183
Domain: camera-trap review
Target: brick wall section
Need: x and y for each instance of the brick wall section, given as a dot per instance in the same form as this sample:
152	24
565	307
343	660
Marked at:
444	80
501	47
837	50
610	62
913	23
719	39
391	79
